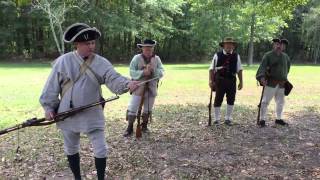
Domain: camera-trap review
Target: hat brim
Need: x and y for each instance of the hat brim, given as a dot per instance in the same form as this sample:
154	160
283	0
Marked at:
286	42
231	42
93	29
68	32
145	45
276	40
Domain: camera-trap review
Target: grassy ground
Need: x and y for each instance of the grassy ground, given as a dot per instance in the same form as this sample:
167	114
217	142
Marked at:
180	145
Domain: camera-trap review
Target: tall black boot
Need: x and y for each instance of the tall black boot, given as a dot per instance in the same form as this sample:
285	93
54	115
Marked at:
145	119
129	130
101	164
74	164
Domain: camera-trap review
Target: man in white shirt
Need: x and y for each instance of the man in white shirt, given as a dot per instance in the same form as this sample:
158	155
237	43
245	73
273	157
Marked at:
225	65
72	84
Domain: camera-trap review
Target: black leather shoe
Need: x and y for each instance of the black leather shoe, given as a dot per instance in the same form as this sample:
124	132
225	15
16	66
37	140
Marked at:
281	122
228	122
262	123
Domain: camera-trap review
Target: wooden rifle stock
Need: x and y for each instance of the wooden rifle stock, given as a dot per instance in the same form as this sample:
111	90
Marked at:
138	129
212	88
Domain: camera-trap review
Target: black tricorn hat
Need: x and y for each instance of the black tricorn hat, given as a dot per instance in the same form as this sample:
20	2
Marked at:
274	40
228	40
80	32
147	43
284	41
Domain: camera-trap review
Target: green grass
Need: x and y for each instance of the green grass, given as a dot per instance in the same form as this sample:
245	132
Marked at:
180	145
21	85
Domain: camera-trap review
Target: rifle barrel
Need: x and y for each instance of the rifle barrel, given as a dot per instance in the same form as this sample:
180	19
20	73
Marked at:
59	117
75	110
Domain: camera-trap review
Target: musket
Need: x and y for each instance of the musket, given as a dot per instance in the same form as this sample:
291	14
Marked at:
143	82
138	129
59	117
259	106
210	107
267	74
212	78
146	81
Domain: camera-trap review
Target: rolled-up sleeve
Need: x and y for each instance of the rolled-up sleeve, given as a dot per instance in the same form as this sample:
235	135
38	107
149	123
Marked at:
159	71
214	62
135	73
114	81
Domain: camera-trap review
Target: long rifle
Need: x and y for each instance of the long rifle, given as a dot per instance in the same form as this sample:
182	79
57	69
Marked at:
266	76
142	83
212	78
146	82
59	117
259	106
138	129
210	107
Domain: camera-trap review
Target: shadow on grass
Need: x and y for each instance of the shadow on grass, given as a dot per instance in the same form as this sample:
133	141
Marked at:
205	67
180	145
196	66
189	67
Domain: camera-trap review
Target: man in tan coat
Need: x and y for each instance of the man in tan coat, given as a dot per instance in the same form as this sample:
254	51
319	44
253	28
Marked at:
144	66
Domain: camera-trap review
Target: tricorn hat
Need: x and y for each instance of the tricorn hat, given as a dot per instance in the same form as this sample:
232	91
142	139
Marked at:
80	32
147	43
228	40
276	40
284	41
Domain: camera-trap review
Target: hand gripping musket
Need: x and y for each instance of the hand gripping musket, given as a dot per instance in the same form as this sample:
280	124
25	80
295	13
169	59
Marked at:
143	82
59	117
138	129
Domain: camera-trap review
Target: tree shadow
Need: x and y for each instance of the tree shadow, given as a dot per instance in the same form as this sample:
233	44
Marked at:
180	145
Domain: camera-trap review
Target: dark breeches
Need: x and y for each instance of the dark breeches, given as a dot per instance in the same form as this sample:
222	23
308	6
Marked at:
226	86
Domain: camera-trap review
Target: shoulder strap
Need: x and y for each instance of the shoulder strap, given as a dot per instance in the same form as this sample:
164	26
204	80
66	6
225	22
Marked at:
88	70
84	67
68	84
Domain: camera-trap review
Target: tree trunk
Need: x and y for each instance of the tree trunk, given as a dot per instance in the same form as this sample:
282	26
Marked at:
252	28
129	45
56	40
61	37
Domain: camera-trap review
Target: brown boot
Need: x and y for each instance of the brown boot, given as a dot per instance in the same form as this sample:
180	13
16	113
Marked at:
129	131
144	124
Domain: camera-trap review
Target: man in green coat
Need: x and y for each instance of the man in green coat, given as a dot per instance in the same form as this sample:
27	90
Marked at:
272	74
